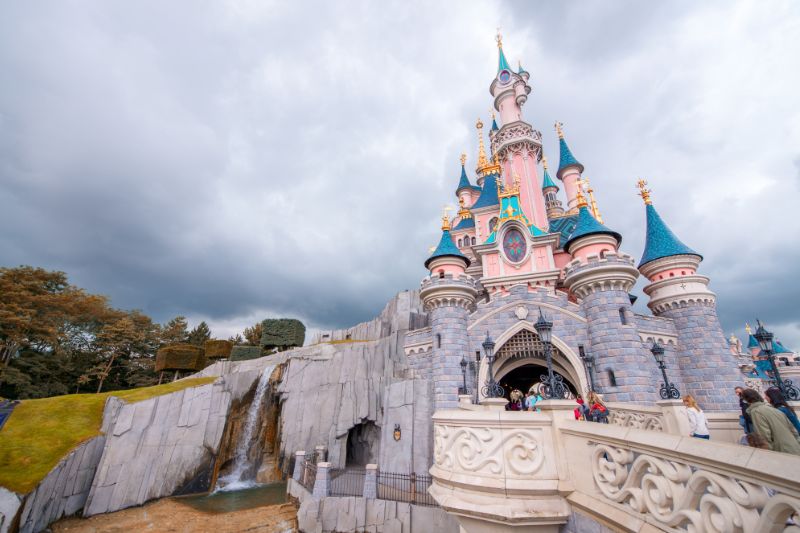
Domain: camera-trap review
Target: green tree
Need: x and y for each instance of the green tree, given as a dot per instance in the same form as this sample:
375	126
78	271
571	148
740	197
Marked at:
176	331
200	334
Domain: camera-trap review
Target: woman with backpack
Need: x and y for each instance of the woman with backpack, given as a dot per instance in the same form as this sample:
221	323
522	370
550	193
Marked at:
777	400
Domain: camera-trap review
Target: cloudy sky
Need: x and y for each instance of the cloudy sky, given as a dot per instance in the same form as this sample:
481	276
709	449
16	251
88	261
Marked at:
231	161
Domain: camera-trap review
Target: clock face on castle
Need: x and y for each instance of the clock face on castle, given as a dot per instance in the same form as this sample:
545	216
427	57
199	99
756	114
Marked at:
504	76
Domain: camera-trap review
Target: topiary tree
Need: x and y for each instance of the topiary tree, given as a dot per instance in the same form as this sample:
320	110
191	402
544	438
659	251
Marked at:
179	357
282	333
218	349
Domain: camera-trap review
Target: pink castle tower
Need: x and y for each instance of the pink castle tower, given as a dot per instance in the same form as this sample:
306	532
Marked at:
517	145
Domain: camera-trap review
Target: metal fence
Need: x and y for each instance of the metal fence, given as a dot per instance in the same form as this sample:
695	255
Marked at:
411	488
347	482
309	476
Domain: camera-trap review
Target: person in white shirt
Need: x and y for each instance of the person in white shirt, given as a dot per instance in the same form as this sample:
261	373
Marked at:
697	420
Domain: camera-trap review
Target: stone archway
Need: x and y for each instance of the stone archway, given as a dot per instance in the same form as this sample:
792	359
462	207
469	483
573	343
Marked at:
520	346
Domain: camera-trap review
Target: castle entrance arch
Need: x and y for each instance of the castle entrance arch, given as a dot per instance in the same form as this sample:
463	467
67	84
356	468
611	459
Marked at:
520	361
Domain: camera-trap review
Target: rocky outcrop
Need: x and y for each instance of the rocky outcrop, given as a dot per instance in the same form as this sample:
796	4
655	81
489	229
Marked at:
329	389
64	489
408	406
9	507
166	445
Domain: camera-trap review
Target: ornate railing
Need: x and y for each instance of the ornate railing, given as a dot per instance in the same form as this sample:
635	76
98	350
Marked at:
638	418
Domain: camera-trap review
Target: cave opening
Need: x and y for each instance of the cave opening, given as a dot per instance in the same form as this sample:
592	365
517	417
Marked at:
362	444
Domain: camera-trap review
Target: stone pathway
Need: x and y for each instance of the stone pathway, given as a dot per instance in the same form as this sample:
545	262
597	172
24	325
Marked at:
169	515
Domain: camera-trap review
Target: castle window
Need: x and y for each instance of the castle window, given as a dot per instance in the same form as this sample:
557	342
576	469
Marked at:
459	243
441	274
473	241
672	274
612	379
438	340
683	272
623	318
348	337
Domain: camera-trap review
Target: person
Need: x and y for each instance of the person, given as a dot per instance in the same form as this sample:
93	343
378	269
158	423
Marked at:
579	411
744	418
697	420
775	397
516	400
771	424
598	412
534	397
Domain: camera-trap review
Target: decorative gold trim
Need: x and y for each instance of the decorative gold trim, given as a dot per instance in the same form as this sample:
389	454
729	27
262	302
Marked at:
644	192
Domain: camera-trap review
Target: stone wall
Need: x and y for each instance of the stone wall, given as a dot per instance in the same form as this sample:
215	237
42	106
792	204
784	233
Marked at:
328	389
708	368
165	445
408	404
357	515
402	313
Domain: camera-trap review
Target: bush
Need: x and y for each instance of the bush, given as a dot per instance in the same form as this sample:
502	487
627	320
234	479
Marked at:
282	333
218	349
241	353
180	357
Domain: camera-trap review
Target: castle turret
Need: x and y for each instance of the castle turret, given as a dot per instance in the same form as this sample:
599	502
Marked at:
569	169
708	369
448	295
601	279
550	192
517	145
465	190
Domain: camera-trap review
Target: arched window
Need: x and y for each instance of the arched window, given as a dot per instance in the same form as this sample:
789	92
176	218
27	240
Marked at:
473	241
441	274
459	243
438	340
612	379
623	318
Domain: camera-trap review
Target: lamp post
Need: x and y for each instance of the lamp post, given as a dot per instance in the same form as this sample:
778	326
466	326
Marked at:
476	367
588	361
554	387
463	388
764	338
491	389
668	390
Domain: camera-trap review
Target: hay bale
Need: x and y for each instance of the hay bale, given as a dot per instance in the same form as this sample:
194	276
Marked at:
242	353
218	349
282	333
180	357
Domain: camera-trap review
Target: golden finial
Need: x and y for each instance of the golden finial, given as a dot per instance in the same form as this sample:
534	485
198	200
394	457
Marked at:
579	196
592	202
445	219
463	159
482	160
544	162
747	328
499	39
644	192
559	130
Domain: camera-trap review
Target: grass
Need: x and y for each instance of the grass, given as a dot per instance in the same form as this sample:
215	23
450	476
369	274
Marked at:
41	432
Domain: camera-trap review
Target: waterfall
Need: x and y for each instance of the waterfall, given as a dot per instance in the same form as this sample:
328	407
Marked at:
234	481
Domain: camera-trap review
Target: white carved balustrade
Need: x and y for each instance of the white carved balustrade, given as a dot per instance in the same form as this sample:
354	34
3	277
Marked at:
636	416
495	469
634	479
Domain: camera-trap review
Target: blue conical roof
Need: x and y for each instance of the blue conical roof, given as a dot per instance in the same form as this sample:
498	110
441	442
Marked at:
521	70
465	223
661	242
488	195
588	225
463	183
547	181
777	347
566	159
494	125
752	342
502	63
446	248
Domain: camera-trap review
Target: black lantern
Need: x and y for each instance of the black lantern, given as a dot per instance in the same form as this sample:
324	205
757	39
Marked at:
553	385
588	362
668	390
491	389
463	388
764	338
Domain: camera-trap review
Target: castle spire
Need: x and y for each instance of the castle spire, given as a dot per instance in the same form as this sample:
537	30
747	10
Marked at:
494	122
566	158
485	166
592	202
660	241
502	63
547	181
463	182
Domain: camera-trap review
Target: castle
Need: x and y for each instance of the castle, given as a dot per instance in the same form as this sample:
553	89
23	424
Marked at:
514	249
